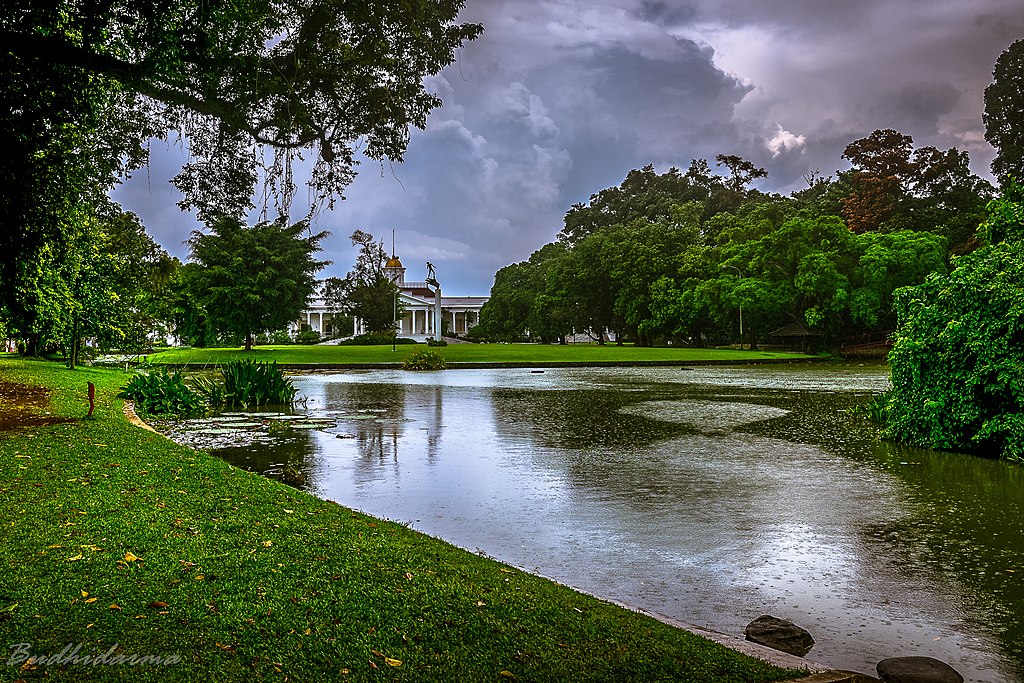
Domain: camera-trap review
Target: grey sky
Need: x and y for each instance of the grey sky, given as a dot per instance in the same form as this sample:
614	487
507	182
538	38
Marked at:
559	99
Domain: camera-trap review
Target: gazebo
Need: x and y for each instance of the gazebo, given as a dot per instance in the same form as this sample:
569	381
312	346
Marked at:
797	334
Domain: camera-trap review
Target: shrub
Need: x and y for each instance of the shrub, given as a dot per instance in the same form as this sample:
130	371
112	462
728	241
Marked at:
373	339
160	393
308	337
436	342
425	359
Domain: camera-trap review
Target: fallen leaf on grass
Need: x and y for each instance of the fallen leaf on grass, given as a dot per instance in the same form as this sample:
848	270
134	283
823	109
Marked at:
158	604
507	674
85	594
90	601
76	558
129	557
392	662
267	544
115	606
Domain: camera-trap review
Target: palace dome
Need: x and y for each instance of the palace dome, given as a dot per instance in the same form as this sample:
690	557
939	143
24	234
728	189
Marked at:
393	262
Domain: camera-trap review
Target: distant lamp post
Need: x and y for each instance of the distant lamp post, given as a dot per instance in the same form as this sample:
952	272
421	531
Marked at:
738	272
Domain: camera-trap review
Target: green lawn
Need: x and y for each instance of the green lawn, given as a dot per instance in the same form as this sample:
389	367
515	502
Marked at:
116	536
467	353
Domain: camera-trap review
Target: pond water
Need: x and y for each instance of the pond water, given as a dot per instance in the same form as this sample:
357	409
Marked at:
711	495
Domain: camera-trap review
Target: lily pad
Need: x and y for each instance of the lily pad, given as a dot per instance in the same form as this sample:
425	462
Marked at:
250	415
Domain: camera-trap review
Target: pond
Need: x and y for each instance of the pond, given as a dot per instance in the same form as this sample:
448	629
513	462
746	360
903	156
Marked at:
711	495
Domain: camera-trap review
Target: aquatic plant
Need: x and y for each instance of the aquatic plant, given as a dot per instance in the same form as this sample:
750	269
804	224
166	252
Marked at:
162	393
425	359
876	409
251	383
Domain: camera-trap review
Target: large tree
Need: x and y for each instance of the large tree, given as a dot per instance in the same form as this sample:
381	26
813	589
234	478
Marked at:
896	187
1004	113
249	85
258	279
366	292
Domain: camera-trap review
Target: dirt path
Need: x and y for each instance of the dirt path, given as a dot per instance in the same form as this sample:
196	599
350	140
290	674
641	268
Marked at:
23	406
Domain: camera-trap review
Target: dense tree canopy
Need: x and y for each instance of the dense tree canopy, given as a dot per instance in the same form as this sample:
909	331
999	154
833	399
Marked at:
677	256
256	279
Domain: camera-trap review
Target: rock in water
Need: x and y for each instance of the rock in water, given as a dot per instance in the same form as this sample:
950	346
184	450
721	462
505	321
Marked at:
917	670
779	634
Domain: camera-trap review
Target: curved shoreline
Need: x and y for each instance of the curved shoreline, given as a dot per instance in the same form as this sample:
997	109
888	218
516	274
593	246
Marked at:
487	365
818	672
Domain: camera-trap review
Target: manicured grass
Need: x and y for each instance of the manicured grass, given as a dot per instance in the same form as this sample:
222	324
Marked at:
114	535
466	353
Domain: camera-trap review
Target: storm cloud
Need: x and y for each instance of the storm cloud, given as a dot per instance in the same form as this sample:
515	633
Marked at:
559	99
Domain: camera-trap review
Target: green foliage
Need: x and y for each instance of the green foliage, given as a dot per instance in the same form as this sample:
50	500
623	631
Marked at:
210	389
279	337
958	359
160	393
250	384
253	280
436	342
328	77
372	339
876	409
366	292
308	337
425	359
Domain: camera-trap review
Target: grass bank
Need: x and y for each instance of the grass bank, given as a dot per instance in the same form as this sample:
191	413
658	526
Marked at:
114	536
469	353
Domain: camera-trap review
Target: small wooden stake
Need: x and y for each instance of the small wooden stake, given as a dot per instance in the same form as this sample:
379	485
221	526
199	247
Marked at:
92	398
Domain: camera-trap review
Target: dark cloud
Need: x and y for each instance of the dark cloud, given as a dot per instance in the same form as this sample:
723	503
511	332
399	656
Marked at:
561	98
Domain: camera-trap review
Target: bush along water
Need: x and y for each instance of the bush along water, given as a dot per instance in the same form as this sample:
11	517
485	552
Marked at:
162	393
425	359
958	360
250	384
243	383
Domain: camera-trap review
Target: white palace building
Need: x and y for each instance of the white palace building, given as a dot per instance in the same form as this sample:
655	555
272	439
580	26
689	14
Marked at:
425	309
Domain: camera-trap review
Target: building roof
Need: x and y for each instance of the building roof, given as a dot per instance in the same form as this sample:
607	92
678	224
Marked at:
393	262
796	329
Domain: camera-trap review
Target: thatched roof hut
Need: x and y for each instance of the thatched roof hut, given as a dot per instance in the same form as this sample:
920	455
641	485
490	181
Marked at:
797	335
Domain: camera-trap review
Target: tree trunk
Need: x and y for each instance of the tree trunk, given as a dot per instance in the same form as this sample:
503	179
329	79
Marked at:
73	350
248	341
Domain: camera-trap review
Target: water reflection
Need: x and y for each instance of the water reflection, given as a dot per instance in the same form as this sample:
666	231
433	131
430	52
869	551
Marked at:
778	502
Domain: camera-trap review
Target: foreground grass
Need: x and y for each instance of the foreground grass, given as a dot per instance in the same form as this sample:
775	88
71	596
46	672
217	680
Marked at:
116	536
467	353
